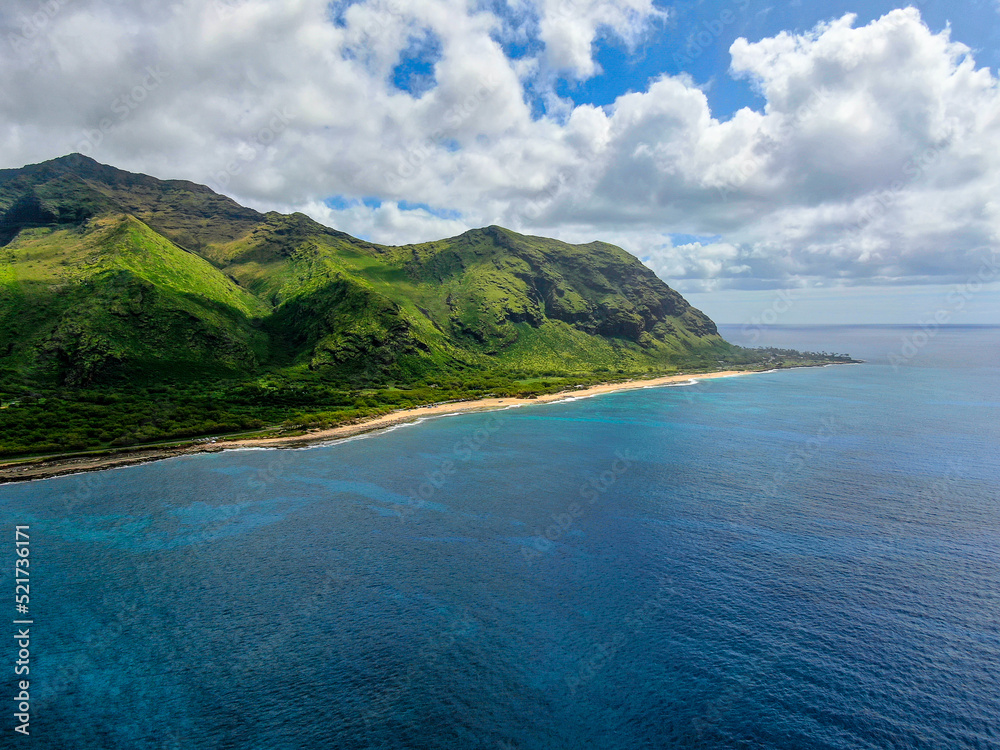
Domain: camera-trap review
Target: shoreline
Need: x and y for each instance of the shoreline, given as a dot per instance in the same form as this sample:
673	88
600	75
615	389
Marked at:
36	469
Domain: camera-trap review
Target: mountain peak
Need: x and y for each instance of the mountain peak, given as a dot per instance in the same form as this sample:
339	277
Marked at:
75	187
76	159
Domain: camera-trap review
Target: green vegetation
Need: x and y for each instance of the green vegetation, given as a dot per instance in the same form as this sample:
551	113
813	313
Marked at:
134	310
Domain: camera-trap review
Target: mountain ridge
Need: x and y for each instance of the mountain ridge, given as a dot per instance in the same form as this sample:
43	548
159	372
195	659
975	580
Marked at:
115	285
499	287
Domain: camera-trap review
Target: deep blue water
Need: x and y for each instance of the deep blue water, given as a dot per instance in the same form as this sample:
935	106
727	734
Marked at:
802	559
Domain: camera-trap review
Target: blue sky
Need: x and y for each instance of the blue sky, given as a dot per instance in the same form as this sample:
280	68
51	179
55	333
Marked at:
696	38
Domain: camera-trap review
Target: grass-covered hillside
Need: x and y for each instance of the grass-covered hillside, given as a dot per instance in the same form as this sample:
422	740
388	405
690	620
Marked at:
134	309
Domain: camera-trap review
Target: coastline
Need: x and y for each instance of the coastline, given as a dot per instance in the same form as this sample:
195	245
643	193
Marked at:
35	469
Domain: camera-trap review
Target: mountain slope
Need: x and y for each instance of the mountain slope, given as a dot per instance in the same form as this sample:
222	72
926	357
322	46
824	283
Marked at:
267	290
116	300
134	310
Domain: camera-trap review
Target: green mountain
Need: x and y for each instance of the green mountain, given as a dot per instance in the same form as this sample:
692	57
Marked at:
122	284
110	275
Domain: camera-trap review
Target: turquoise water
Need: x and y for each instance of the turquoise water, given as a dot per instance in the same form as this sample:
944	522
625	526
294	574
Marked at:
800	559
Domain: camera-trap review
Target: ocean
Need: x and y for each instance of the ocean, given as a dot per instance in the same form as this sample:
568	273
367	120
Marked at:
796	559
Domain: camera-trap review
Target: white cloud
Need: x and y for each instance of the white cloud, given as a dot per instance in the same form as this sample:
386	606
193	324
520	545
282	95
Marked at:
569	29
875	158
387	223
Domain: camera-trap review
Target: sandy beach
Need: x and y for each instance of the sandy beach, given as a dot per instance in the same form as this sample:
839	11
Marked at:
21	471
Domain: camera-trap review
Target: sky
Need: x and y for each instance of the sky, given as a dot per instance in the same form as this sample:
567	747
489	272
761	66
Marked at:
795	163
